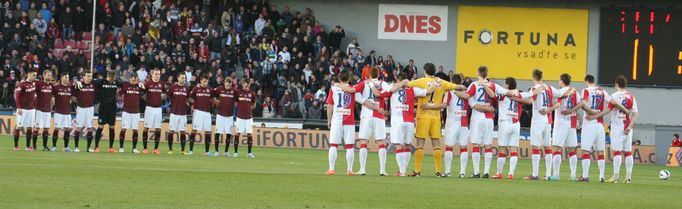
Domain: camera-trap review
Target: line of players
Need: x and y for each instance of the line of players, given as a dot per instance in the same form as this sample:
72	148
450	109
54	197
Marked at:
34	107
551	107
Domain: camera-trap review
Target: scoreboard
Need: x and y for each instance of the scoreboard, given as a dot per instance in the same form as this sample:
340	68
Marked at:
644	44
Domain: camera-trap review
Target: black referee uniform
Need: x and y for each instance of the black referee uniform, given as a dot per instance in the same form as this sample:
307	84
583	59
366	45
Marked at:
107	109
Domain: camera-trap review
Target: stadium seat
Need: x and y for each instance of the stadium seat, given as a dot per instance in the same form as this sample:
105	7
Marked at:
68	43
81	45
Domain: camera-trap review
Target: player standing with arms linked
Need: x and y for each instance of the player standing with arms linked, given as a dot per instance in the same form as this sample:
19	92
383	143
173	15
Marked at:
84	96
62	110
372	119
108	92
564	133
154	90
402	119
200	97
541	124
246	102
428	116
592	135
178	112
224	99
622	124
481	95
130	116
44	108
25	94
341	124
509	113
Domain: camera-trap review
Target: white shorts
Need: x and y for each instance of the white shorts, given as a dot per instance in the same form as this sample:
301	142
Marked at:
42	119
564	137
592	136
456	135
508	134
223	125
84	117
619	140
402	133
482	131
540	134
178	122
371	126
201	121
130	120
244	126
152	117
62	121
26	119
341	134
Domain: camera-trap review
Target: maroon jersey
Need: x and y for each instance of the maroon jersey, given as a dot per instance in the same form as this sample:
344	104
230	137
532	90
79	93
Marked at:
178	99
154	91
62	99
226	101
245	101
44	96
202	98
25	95
85	96
131	98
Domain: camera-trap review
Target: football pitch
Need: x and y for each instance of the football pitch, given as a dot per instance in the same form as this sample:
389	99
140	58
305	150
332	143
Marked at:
292	178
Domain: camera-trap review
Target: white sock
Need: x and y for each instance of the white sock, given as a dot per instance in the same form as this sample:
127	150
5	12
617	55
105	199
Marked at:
463	161
488	160
556	160
573	162
548	164
399	159
408	156
382	160
448	161
512	164
350	157
476	159
536	164
363	159
500	164
616	166
602	165
332	157
629	162
586	167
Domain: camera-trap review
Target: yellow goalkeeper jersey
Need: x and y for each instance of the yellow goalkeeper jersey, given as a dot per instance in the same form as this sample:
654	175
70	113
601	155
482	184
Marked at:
435	98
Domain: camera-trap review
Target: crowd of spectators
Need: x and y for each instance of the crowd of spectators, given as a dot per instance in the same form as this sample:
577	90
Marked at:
288	55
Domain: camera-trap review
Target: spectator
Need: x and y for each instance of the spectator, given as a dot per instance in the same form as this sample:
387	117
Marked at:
315	111
353	47
66	20
268	108
676	141
335	37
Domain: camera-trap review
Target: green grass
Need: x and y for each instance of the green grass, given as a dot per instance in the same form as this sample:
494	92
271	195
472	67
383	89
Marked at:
292	178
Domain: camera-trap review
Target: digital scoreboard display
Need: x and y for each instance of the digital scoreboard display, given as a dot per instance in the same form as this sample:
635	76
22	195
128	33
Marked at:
644	44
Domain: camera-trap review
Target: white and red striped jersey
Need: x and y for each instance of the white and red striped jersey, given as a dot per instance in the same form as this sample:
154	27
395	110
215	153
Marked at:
364	92
618	118
457	109
402	104
508	109
595	99
343	106
566	103
543	100
478	96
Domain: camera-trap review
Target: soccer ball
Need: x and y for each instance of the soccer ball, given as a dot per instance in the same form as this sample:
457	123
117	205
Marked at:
664	174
